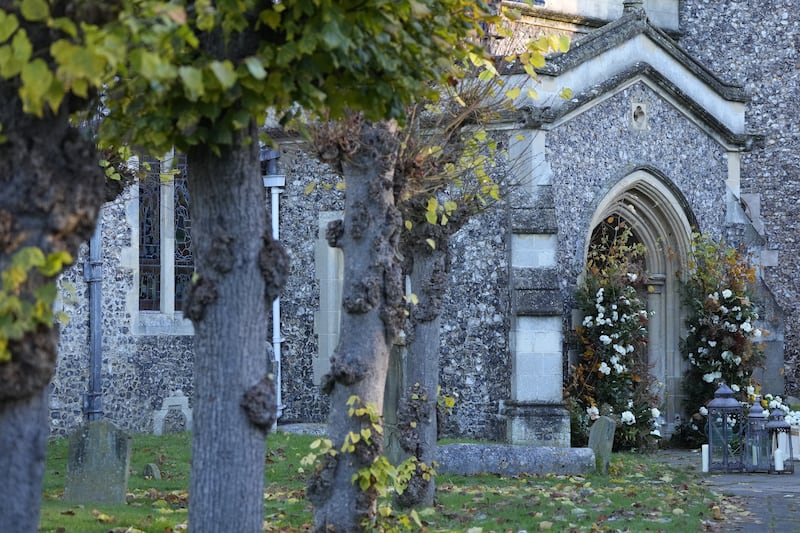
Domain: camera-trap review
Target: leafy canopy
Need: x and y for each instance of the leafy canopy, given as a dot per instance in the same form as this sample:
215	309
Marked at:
188	73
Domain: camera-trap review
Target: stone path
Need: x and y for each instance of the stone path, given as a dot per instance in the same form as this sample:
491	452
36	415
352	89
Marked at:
771	502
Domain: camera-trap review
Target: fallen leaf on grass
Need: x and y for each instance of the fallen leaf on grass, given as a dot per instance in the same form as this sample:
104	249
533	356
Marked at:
102	517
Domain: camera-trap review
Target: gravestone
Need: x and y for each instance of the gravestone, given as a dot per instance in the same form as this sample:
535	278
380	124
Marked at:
151	471
174	416
601	440
97	464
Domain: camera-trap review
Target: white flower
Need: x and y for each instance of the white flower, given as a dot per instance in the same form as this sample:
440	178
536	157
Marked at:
605	339
757	333
587	321
632	276
703	411
604	368
735	387
747	327
620	349
593	412
708	378
727	293
628	418
751	390
712	343
620	369
655	413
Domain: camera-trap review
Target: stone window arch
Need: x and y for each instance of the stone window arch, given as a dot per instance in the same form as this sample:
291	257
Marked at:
661	220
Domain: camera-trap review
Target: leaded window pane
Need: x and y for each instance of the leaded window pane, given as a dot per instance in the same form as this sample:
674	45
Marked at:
184	263
150	239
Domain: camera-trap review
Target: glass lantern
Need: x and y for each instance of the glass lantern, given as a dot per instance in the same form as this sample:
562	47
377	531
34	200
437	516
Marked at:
780	438
756	450
724	429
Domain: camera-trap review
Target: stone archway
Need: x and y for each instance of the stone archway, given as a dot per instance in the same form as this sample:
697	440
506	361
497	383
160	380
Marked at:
661	220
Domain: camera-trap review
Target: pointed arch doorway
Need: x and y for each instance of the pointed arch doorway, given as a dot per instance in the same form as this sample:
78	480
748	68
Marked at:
661	220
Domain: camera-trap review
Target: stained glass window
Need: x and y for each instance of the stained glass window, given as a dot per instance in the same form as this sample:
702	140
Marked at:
156	243
184	264
150	239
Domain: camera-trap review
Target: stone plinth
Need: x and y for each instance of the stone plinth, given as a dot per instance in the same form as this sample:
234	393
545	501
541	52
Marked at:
536	424
473	459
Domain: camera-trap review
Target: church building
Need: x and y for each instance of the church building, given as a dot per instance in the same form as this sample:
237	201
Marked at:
682	117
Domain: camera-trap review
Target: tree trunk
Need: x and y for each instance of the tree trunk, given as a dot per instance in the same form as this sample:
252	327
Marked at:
372	317
239	272
52	190
417	428
23	439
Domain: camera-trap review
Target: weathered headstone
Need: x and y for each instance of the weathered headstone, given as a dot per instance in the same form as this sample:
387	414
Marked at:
151	471
601	440
174	416
97	464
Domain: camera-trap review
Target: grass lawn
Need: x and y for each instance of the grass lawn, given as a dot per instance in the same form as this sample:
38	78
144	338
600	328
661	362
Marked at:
640	494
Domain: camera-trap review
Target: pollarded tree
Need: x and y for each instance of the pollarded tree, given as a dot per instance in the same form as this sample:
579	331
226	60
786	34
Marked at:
455	166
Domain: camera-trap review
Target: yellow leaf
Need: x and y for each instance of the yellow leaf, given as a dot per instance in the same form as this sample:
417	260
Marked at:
409	225
513	94
431	243
413	298
341	186
309	188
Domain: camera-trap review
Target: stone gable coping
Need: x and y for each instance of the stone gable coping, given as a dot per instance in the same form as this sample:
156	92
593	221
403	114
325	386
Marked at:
536	117
630	25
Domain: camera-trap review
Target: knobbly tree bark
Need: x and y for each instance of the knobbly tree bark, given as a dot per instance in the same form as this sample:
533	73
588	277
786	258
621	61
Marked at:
428	268
372	305
417	413
52	190
240	270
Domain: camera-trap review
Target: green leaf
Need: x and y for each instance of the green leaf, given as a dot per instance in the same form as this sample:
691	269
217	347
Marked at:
55	263
47	293
8	25
256	67
332	35
36	80
35	10
223	71
192	80
431	243
28	257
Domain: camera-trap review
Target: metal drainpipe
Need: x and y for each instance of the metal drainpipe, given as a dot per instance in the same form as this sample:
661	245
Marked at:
275	182
93	275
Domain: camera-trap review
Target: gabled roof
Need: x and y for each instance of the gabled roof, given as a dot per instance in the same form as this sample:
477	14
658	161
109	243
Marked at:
632	49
